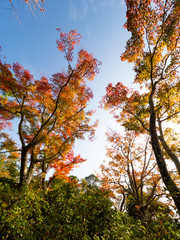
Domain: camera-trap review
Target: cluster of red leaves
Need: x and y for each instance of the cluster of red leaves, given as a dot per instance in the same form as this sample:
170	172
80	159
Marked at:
120	97
115	94
50	111
128	106
43	85
63	167
87	65
66	43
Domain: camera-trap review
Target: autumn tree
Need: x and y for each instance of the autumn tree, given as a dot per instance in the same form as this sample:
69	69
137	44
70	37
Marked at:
131	172
49	113
154	49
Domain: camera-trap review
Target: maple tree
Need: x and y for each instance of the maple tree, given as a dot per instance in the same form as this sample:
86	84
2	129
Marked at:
131	172
154	49
50	113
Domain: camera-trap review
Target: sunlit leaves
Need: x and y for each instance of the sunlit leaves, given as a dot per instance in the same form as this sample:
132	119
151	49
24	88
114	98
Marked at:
66	43
150	20
63	167
127	106
131	170
51	112
154	49
87	65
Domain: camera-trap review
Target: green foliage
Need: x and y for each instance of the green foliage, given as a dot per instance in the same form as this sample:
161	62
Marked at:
80	212
9	169
69	210
74	210
21	212
162	227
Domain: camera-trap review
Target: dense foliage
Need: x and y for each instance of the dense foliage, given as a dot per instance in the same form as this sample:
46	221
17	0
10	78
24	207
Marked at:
50	113
74	210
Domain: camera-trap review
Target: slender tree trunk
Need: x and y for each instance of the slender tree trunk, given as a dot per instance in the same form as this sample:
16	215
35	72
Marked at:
173	157
23	169
168	181
30	172
43	176
122	202
26	173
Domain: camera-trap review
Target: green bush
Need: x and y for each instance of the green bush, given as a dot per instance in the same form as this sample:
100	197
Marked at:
74	210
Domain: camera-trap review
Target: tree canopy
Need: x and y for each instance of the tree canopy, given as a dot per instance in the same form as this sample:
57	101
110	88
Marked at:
131	171
50	113
154	49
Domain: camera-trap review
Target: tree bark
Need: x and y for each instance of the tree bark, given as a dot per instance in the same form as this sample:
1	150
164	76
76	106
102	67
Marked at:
30	172
168	181
173	157
23	169
26	173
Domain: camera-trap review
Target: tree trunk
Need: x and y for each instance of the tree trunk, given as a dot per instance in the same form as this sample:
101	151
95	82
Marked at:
23	169
26	174
30	172
173	157
168	181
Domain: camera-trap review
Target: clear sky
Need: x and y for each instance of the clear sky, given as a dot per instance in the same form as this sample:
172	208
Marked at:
32	43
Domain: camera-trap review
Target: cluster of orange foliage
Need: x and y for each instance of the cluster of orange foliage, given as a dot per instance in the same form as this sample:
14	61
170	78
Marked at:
154	49
131	170
50	112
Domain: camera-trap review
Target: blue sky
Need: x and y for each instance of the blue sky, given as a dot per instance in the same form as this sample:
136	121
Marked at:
32	43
